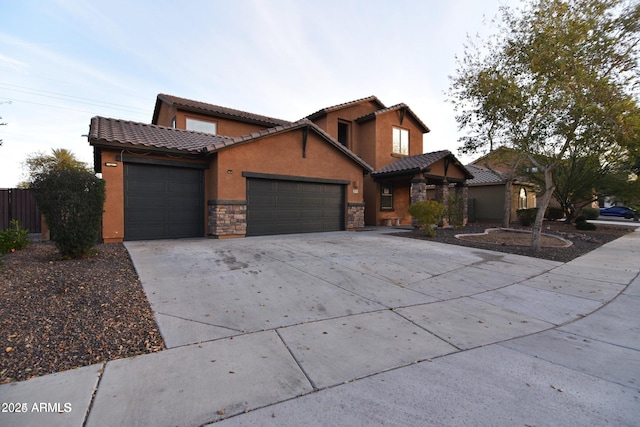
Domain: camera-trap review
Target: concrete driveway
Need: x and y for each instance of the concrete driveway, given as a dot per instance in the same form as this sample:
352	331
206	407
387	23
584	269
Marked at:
364	328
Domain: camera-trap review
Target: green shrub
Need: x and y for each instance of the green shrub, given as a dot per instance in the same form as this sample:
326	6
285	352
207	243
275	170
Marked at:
427	213
13	238
554	213
584	225
526	217
455	210
72	202
590	213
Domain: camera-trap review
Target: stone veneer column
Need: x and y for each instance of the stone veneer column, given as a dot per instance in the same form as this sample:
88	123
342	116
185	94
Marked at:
418	190
442	195
355	216
227	218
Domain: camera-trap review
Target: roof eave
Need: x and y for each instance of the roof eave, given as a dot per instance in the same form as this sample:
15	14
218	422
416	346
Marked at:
397	174
117	145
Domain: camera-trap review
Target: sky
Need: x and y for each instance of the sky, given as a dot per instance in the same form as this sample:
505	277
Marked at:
65	61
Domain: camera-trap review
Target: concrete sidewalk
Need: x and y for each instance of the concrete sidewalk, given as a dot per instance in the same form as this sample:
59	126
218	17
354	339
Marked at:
364	329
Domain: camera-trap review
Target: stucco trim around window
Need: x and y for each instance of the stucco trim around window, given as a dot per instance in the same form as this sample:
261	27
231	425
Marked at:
199	125
400	139
386	196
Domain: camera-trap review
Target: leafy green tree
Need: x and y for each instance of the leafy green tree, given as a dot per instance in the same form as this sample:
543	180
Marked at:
72	202
559	77
59	159
576	181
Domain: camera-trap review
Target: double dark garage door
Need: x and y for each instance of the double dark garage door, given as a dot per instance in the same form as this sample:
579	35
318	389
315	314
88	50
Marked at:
282	206
165	202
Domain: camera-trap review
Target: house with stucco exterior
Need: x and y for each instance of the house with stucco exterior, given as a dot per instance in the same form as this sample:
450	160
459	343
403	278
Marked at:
200	169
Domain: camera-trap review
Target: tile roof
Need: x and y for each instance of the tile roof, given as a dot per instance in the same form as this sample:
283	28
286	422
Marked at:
119	132
394	108
324	111
484	176
415	164
217	110
113	132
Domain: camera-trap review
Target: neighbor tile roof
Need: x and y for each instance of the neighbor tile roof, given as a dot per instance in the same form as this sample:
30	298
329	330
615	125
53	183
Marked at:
119	132
393	108
415	164
484	176
218	110
324	111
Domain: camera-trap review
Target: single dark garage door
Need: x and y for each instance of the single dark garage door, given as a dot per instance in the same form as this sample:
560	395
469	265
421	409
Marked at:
162	202
281	207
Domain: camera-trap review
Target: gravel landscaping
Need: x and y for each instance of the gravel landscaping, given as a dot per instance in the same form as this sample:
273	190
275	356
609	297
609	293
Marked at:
62	314
583	241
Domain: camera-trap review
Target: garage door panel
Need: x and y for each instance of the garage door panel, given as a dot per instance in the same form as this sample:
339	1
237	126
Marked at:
163	202
285	206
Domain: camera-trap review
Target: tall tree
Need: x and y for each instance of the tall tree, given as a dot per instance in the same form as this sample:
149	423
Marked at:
59	159
559	77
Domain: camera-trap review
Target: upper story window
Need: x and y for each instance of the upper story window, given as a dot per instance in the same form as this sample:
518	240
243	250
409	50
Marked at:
343	133
400	141
201	126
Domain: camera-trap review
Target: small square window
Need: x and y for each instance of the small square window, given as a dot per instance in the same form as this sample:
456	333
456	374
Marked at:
386	197
400	141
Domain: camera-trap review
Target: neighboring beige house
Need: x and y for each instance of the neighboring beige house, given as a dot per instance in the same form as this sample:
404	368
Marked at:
487	193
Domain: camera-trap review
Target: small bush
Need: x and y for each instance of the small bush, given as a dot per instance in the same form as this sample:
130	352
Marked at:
72	203
554	213
590	213
427	213
526	217
584	225
455	210
13	238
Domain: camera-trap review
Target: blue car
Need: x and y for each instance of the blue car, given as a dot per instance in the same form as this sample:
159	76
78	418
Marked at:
622	211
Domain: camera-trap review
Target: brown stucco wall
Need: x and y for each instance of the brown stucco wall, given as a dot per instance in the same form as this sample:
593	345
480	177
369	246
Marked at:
453	171
365	145
113	216
279	155
358	132
224	126
329	123
282	155
166	114
371	201
384	138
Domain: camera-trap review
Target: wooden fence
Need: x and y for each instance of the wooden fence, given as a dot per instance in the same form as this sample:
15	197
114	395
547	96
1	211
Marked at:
19	204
